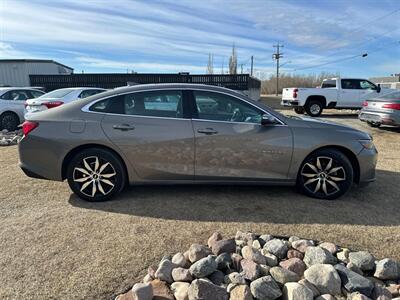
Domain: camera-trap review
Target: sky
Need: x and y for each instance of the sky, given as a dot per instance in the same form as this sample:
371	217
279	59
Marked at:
178	36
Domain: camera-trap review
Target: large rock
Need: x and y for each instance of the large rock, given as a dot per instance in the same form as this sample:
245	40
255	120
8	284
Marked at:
180	290
358	296
318	255
181	274
270	259
236	261
247	237
142	291
354	282
217	277
164	271
295	254
241	292
283	276
216	236
180	260
363	260
310	286
201	289
235	278
253	254
204	267
387	269
223	246
325	297
224	261
197	252
295	265
297	291
325	278
302	245
249	269
277	247
161	291
265	288
331	247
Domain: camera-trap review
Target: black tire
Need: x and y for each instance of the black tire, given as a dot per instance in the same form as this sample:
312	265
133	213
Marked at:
374	125
315	179
314	108
299	110
9	121
104	188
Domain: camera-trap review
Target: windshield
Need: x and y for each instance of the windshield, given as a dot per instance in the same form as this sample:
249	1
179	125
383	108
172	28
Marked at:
57	93
394	95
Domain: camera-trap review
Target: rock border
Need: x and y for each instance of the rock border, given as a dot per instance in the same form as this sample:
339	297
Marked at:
251	266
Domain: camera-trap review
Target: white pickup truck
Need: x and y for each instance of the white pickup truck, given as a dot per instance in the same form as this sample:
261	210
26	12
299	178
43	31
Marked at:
338	93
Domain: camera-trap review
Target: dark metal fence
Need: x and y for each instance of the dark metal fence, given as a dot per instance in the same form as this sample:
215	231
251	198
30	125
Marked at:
109	81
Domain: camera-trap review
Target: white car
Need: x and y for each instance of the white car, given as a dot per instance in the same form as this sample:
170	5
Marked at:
338	93
12	101
59	97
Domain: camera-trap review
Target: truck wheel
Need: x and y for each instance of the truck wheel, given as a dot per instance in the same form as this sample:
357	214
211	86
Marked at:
314	108
299	110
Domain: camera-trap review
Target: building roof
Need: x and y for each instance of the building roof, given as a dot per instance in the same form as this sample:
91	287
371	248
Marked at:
35	61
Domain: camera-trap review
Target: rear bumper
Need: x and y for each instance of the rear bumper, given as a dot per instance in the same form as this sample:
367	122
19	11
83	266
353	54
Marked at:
380	118
292	103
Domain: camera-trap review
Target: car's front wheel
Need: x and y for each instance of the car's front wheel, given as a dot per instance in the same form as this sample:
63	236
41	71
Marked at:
96	174
325	174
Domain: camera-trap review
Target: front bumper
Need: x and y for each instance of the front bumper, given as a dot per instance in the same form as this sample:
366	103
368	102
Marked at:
367	160
291	103
380	118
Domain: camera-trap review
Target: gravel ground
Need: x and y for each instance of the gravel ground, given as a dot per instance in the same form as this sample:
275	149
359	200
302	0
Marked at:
53	245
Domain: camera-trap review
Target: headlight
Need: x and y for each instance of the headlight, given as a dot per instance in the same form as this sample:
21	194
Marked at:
367	144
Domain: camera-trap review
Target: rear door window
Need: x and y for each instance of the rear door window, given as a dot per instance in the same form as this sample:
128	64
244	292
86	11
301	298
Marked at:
350	84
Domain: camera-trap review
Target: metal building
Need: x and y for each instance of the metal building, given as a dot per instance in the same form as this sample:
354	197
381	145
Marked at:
15	72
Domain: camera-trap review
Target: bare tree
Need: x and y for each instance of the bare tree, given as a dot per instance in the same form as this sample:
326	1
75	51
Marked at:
210	65
233	61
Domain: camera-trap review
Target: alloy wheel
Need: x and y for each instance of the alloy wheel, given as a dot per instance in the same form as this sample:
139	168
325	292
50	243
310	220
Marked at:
95	176
315	109
323	176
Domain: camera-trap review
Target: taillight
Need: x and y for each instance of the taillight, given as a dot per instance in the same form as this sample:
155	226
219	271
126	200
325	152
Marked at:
395	106
28	126
365	103
295	93
52	104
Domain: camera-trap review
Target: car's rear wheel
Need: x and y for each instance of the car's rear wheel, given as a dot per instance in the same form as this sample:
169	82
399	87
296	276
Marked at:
299	110
96	175
314	108
9	121
325	174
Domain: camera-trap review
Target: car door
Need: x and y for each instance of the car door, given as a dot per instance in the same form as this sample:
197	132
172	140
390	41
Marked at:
231	143
152	131
349	93
368	90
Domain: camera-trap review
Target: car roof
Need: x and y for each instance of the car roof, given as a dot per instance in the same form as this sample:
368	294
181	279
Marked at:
79	88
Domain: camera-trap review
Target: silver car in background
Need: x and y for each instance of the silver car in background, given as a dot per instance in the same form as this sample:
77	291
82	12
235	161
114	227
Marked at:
59	97
12	101
188	133
384	110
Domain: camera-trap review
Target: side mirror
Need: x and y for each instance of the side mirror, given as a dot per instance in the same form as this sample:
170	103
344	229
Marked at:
267	120
378	88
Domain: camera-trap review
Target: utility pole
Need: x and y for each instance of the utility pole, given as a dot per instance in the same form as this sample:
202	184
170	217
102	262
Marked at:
277	56
251	69
241	68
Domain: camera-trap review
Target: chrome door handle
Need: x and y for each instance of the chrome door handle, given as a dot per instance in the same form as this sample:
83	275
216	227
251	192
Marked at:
207	131
124	127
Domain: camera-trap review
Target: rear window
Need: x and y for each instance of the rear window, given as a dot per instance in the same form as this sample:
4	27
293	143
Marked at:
394	96
57	93
328	84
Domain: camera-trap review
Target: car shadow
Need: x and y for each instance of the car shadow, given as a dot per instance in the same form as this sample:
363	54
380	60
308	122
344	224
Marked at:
375	204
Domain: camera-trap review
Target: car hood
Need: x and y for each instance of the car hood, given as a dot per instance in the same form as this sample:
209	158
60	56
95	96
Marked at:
326	125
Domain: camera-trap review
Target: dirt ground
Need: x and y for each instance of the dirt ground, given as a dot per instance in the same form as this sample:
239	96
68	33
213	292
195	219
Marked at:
55	246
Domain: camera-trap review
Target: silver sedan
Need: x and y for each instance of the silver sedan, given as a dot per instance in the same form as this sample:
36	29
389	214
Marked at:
187	133
384	110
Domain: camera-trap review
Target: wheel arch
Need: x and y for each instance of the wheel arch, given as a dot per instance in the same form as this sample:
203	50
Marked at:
347	152
81	148
319	98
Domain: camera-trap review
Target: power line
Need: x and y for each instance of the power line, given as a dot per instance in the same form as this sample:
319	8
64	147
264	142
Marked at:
332	62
